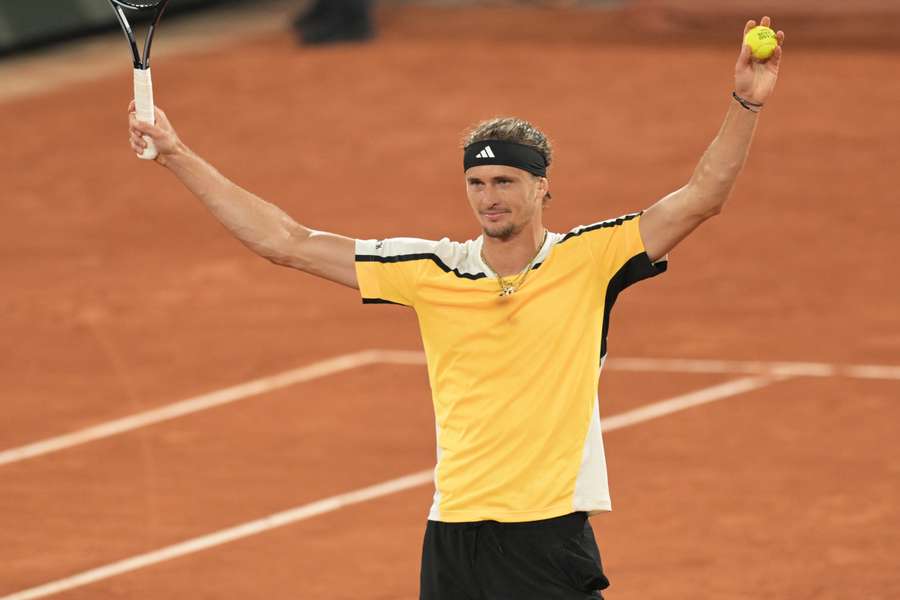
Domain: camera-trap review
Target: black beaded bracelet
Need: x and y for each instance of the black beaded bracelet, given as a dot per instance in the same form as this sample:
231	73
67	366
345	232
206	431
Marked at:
751	106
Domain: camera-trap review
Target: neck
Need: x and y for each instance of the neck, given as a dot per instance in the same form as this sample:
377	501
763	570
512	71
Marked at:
511	255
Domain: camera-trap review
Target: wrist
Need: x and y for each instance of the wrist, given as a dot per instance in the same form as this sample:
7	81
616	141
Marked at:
754	107
179	154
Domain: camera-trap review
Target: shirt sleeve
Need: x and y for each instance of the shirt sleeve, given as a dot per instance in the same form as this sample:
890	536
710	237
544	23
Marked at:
618	252
387	271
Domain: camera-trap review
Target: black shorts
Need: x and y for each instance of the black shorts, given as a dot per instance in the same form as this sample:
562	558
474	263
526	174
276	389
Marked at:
552	559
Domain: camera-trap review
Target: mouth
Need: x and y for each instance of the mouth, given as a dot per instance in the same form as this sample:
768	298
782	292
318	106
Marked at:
494	215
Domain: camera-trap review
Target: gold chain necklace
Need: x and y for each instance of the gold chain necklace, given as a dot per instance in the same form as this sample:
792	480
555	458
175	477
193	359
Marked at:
510	287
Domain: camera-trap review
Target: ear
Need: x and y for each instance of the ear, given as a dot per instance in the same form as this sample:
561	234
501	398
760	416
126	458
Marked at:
543	190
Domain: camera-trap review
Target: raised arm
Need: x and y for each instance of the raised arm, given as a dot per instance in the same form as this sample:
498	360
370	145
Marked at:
673	218
261	226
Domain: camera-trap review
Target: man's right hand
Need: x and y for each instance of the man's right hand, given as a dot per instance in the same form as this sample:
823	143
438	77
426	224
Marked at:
162	134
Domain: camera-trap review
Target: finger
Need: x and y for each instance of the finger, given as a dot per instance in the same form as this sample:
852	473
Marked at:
780	37
131	106
161	118
775	59
148	129
133	125
750	25
746	56
766	22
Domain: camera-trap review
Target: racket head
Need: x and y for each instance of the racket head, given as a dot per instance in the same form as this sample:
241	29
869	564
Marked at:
141	59
140	4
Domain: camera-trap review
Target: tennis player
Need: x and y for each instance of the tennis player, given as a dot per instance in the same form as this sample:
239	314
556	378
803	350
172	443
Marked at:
514	325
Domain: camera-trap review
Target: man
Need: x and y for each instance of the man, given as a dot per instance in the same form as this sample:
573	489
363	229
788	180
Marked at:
514	326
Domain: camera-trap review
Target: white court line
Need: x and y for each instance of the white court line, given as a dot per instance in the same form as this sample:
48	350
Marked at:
794	369
871	372
684	401
709	367
307	511
191	405
414	357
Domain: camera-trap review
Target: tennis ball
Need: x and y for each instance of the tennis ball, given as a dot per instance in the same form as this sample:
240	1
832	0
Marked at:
762	42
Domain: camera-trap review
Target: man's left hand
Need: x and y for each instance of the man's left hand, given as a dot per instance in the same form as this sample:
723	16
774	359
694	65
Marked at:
754	79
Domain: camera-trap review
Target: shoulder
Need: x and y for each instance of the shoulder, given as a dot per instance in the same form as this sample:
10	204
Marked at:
605	226
461	258
399	249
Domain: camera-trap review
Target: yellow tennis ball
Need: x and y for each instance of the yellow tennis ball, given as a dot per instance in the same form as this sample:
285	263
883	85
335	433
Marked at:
762	42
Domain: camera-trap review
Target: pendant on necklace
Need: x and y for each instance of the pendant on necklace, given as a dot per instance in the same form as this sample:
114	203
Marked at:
507	290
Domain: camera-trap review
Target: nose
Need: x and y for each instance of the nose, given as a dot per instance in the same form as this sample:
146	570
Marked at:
490	197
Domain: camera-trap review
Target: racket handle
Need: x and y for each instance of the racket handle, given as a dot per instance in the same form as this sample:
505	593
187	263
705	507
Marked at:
144	108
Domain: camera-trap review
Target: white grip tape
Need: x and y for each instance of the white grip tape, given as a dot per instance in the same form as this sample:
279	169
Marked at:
143	103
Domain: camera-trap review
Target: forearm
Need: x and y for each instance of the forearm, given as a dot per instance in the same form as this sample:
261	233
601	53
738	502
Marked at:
673	218
261	226
723	161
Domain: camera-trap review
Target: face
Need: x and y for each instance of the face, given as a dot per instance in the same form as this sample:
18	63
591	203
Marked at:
505	200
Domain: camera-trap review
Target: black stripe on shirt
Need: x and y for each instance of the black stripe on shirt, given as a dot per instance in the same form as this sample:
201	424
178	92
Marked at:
380	301
600	225
407	257
635	269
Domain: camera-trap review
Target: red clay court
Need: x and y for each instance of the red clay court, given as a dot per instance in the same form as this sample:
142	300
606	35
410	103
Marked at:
165	392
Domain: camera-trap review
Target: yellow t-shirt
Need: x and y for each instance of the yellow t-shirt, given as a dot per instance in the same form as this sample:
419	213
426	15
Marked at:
513	379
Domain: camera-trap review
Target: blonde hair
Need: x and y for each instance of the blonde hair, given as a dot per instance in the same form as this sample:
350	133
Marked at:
511	129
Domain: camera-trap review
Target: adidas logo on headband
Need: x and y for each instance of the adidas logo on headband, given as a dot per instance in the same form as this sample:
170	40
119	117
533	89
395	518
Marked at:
510	154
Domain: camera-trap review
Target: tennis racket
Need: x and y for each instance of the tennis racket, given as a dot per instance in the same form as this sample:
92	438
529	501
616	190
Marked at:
143	85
